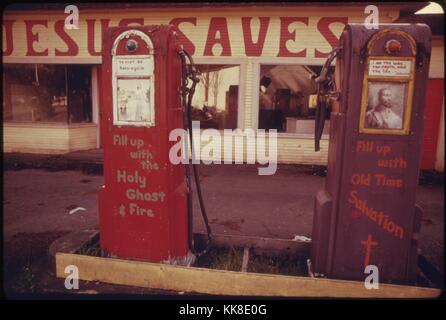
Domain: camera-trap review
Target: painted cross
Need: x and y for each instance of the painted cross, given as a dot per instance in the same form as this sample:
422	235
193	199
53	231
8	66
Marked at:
368	244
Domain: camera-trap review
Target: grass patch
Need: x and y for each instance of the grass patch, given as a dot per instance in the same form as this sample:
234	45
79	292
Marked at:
230	258
24	280
281	264
92	249
26	261
227	258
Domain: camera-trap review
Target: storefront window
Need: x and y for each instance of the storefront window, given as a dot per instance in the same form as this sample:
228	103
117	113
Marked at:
46	93
286	96
215	103
79	94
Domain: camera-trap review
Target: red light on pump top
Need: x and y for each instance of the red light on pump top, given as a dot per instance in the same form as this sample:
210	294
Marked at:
393	47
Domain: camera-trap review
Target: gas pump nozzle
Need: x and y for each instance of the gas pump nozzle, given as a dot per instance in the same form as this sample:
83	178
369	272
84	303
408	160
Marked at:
322	78
190	72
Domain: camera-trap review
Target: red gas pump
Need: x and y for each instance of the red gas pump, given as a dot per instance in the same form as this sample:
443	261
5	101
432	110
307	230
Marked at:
143	204
366	215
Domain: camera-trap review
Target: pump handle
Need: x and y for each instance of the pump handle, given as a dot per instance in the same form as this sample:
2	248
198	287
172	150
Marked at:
326	86
189	72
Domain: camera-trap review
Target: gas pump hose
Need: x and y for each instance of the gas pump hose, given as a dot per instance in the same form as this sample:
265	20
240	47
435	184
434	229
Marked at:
187	94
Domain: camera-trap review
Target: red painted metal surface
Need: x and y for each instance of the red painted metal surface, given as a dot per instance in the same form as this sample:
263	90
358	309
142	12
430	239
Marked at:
142	205
366	214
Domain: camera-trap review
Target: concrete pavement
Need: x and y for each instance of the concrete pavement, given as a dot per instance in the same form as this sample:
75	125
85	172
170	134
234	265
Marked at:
37	204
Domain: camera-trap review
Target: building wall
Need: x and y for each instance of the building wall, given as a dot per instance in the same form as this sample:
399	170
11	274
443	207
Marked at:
311	24
432	121
48	138
433	142
436	67
82	137
248	36
439	161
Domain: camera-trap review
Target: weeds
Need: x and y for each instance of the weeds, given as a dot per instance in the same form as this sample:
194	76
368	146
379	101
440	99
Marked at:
230	258
222	259
92	250
24	281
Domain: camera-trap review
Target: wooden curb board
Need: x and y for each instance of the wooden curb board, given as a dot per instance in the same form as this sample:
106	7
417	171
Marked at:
219	282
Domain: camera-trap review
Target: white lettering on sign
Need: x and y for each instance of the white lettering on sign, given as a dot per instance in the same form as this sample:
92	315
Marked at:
136	194
134	209
134	66
389	68
149	166
125	177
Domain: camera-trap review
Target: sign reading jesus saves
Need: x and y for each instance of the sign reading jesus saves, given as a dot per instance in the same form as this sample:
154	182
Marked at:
296	35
